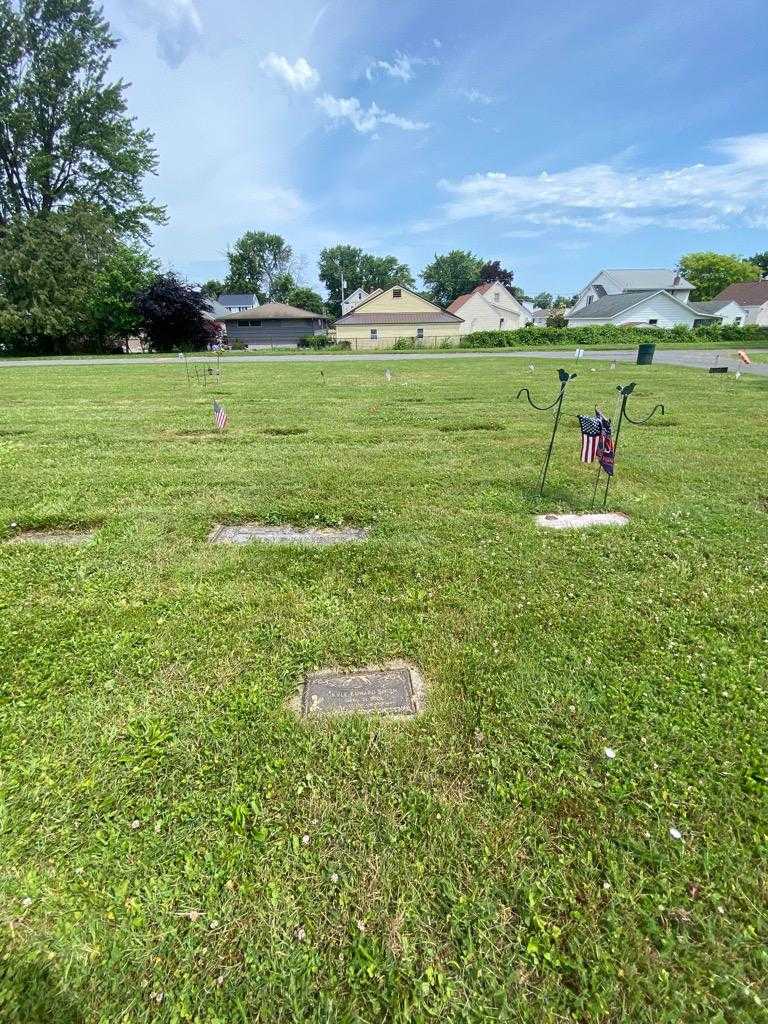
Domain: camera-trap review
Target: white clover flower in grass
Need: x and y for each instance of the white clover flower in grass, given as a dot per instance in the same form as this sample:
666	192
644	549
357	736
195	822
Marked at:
26	902
135	823
305	840
676	833
609	752
334	878
300	934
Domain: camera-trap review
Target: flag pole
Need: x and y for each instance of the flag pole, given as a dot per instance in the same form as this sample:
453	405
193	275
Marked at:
625	393
565	378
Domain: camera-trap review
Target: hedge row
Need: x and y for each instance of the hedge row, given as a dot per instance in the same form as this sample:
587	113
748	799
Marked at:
609	334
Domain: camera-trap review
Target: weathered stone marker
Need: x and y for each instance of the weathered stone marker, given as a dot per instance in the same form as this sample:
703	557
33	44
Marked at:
394	690
580	520
249	532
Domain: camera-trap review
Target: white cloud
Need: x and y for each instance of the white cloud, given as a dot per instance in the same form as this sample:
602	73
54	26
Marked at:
362	119
437	44
605	198
476	96
177	25
402	66
299	76
282	203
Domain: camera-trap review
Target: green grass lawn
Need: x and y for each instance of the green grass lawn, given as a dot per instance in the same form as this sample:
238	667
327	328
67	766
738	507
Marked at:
175	846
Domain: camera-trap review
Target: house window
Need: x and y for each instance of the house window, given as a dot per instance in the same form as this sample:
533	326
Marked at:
496	297
736	321
590	299
501	323
397	293
374	334
653	322
419	332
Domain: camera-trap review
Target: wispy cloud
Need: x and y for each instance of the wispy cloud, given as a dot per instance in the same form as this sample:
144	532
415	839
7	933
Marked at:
299	76
177	25
401	66
364	119
476	96
606	198
282	203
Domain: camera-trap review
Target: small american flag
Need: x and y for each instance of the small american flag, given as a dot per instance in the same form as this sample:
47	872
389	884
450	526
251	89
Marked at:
596	440
220	417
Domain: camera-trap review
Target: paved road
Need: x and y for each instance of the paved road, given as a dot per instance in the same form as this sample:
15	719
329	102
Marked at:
696	359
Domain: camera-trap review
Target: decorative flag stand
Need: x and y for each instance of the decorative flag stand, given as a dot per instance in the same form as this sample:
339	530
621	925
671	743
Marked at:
565	379
624	394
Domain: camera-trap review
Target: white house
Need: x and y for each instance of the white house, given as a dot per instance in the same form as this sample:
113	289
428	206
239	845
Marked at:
620	282
752	296
489	307
238	303
728	311
652	308
353	300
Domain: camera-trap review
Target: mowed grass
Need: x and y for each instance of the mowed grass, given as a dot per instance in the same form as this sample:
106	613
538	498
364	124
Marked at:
176	846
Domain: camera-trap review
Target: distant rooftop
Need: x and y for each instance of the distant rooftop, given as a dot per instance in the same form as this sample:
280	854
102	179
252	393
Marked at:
238	300
647	280
748	293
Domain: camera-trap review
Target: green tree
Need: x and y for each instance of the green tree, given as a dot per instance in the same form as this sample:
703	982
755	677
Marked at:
711	272
451	275
543	300
282	287
360	270
65	136
557	319
66	283
563	301
212	289
258	262
760	259
305	298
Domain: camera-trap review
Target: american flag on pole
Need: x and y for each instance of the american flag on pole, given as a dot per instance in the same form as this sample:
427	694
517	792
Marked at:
220	417
596	440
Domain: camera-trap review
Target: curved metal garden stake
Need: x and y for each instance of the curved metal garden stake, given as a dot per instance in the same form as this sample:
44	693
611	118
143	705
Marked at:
565	379
625	392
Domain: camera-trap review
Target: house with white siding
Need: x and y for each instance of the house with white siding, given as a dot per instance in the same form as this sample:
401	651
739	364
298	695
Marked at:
752	296
489	307
621	282
652	308
726	310
354	299
239	303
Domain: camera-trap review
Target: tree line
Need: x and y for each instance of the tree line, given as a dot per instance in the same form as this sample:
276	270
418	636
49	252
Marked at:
76	273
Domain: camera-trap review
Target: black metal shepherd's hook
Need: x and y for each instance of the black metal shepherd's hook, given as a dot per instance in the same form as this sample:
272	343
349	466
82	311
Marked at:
625	392
565	378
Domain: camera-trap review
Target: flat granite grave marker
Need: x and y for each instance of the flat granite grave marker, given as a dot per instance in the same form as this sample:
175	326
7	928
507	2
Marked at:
246	533
394	690
581	520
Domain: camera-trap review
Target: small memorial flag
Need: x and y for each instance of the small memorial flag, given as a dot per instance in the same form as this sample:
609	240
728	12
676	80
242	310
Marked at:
744	357
220	417
579	353
596	441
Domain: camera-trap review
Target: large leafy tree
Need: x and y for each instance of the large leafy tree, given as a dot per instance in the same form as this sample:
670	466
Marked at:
359	270
492	271
173	315
305	298
258	263
212	289
760	259
67	283
543	300
65	136
711	272
451	275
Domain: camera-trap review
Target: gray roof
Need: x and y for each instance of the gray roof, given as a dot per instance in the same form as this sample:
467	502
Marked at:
710	308
274	311
426	317
610	305
238	300
648	280
216	307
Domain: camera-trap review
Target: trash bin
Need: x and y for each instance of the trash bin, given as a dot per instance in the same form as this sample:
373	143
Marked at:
645	354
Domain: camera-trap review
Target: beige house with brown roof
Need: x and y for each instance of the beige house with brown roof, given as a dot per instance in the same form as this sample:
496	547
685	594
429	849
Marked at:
752	296
394	313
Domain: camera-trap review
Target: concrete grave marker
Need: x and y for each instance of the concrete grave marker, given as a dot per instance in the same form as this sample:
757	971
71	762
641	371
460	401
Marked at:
69	538
247	533
581	520
395	690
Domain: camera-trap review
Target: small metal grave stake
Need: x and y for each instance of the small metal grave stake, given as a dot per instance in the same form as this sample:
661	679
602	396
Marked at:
624	394
565	378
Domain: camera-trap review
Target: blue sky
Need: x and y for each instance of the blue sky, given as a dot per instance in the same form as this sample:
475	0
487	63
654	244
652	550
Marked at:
558	137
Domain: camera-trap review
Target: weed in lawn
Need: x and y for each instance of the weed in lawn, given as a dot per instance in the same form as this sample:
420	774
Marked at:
453	428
